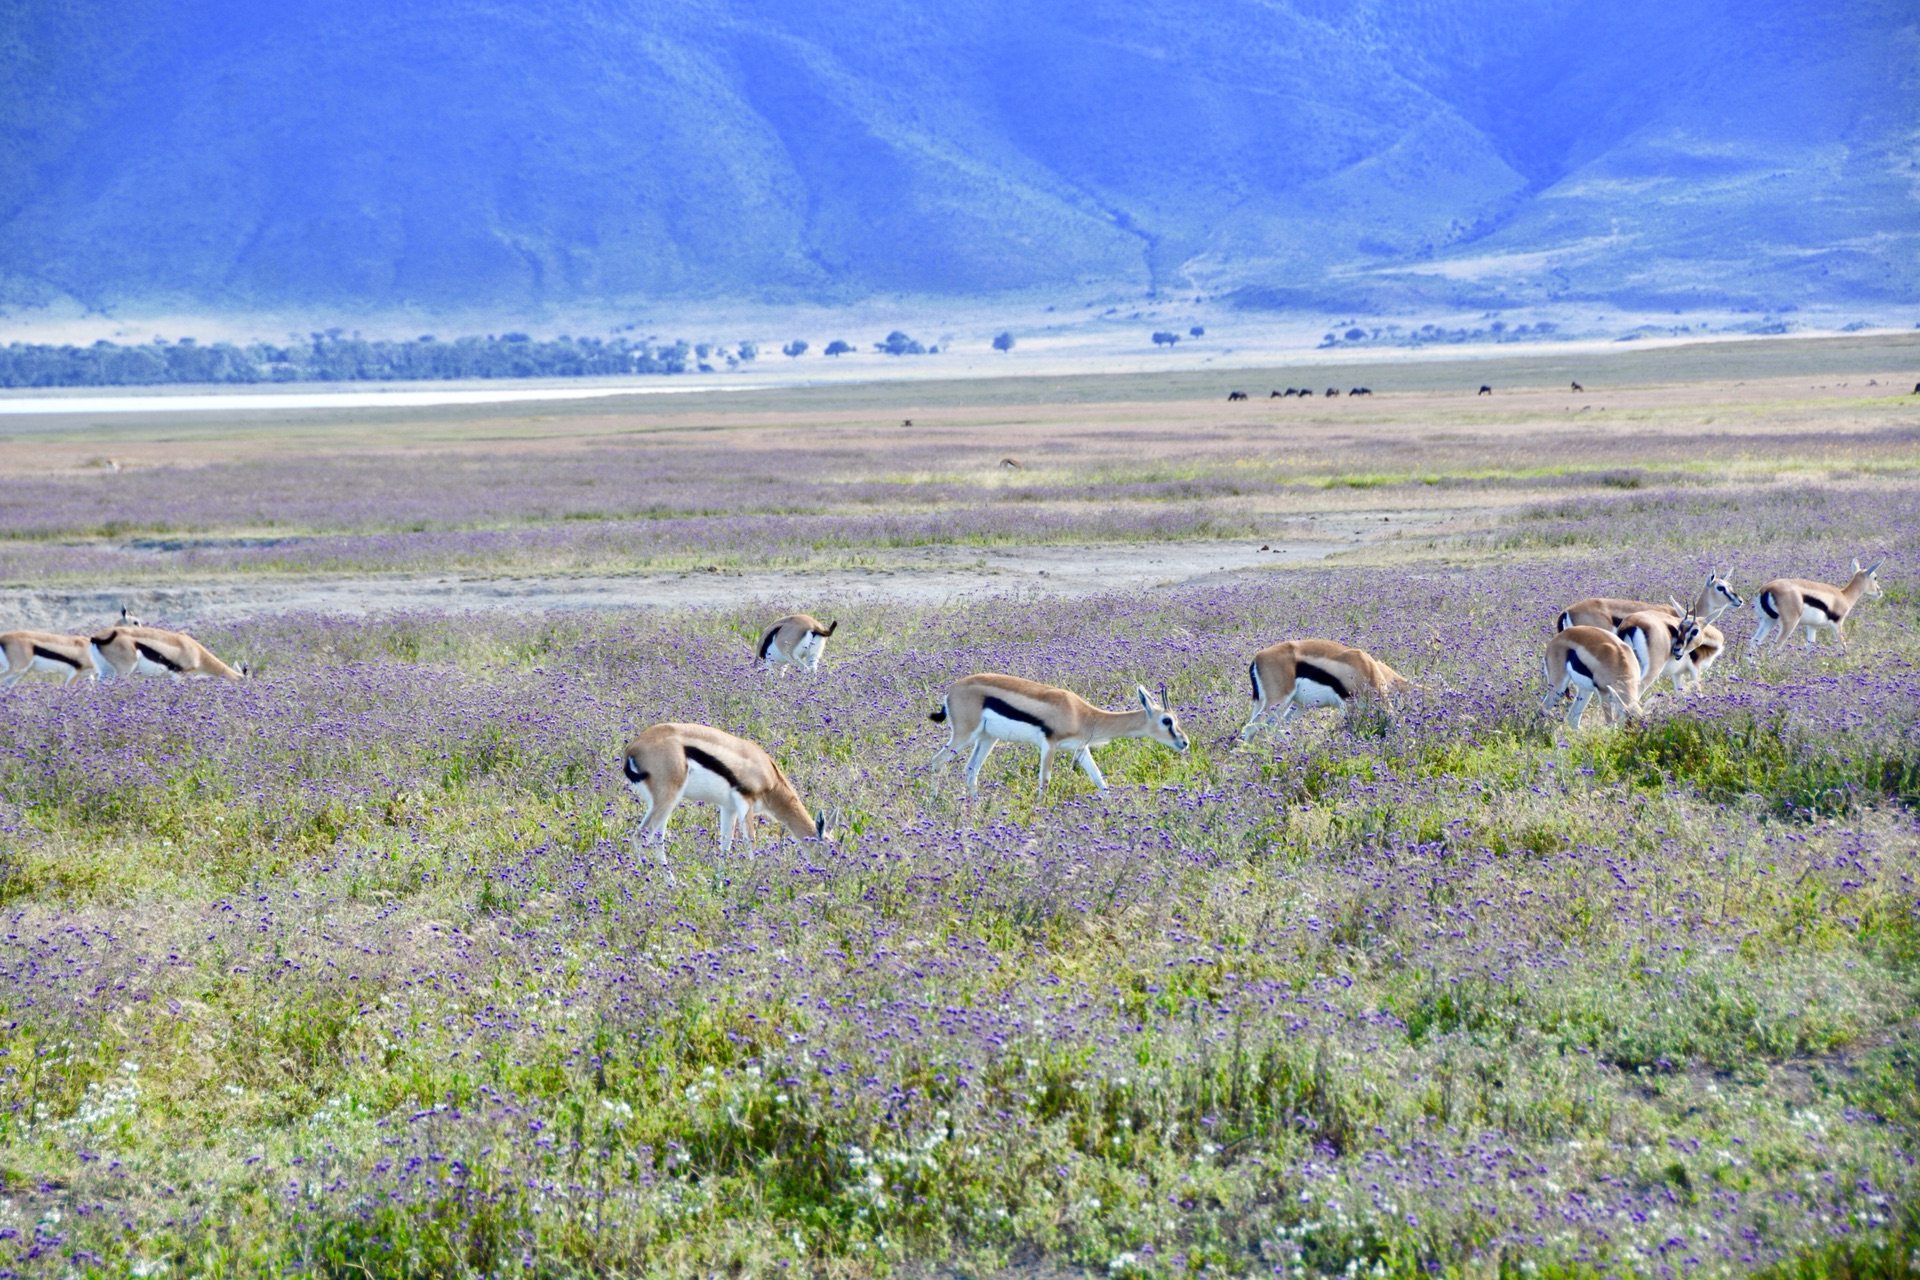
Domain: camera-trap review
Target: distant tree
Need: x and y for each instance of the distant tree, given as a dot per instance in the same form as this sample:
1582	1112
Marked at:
899	344
1003	341
1354	335
839	348
1165	339
703	349
749	351
795	349
1198	331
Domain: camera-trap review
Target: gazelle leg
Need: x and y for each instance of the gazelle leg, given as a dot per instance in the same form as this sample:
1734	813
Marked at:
982	748
1286	714
1084	758
1247	731
1046	753
1578	709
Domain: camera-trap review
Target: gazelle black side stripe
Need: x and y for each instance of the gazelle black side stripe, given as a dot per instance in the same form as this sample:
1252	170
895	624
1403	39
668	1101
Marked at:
51	656
154	656
1320	676
1579	667
766	641
713	765
1001	707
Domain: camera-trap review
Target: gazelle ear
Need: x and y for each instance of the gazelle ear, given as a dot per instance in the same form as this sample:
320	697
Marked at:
1876	567
1856	566
1146	699
1682	609
1163	695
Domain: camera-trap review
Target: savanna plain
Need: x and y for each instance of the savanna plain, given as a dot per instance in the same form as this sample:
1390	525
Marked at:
351	969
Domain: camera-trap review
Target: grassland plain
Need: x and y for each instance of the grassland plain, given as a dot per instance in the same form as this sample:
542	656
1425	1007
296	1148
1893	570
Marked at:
350	969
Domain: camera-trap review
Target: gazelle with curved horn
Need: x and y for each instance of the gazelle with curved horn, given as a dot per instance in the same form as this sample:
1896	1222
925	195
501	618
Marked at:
981	711
1316	673
1661	644
1588	660
150	651
669	763
1715	598
1789	603
24	652
795	640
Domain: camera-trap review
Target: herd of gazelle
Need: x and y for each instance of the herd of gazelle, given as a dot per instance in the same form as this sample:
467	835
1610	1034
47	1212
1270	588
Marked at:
1618	649
125	649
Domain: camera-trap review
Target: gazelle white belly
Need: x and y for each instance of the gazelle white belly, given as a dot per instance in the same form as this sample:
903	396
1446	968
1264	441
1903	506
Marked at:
1311	693
810	645
1004	729
38	663
705	786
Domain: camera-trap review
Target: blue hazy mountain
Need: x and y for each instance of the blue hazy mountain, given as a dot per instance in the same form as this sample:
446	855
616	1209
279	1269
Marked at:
529	156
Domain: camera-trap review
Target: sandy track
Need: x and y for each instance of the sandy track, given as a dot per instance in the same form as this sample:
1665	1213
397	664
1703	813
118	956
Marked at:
936	576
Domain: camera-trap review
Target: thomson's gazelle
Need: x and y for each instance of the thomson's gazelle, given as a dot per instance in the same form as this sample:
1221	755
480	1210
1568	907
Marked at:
1661	644
798	640
1316	673
150	651
1590	660
1715	598
982	711
1787	603
27	651
673	762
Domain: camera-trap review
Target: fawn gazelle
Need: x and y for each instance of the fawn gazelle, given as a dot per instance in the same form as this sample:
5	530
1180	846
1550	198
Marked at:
796	640
1316	673
1789	603
669	763
1589	660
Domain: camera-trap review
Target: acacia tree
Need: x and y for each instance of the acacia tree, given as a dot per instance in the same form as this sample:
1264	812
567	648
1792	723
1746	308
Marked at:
1003	341
795	349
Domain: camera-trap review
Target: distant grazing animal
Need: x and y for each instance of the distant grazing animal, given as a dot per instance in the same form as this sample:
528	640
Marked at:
982	711
28	651
1333	391
1275	395
1290	391
669	763
1916	388
1485	390
1660	643
1011	464
151	651
1317	673
795	640
1789	603
1361	391
1578	387
1716	597
1236	395
906	422
1588	660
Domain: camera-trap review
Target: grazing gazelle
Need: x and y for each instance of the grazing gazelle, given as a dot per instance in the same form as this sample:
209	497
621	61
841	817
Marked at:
1662	645
27	651
797	640
1715	598
1317	673
982	711
673	762
1787	603
150	651
1589	660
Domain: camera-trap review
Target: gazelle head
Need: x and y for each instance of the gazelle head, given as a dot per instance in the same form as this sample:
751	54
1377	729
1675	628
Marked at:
1162	725
1686	632
1873	583
1721	593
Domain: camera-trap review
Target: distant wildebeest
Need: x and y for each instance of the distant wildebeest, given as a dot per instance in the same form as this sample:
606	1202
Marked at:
1361	391
906	422
1275	395
1916	388
1485	390
1578	387
1236	395
1333	391
1292	391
